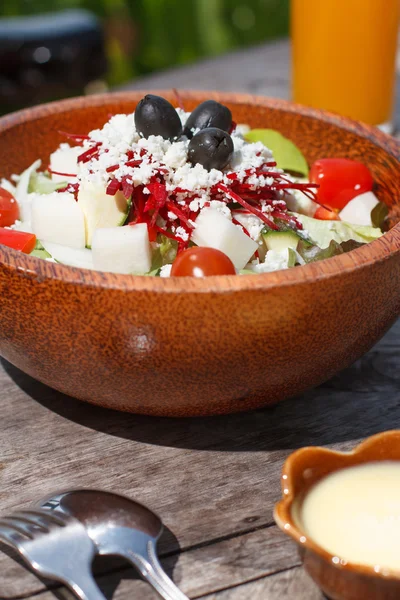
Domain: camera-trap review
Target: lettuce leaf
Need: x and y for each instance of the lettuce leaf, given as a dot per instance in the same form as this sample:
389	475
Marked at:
21	192
153	273
168	249
323	232
379	215
313	253
41	183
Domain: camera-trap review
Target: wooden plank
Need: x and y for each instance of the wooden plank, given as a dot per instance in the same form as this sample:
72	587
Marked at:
204	570
292	583
232	562
207	478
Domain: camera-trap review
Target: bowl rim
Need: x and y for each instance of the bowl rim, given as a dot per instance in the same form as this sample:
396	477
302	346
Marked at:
283	509
378	250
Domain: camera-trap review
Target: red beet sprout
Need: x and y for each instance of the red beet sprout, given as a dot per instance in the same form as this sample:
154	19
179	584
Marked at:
168	211
178	99
59	173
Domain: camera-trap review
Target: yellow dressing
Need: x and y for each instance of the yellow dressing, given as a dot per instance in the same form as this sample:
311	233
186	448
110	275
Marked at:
354	514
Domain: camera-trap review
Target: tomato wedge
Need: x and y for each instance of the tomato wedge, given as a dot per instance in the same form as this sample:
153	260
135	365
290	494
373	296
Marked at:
18	240
326	215
202	262
340	180
9	211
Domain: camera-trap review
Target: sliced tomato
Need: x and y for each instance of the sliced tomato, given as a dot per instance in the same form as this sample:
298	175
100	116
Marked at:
202	262
326	215
18	240
9	211
340	180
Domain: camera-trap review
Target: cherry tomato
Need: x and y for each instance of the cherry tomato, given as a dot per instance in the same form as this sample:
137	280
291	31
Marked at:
202	262
326	215
340	180
18	240
9	211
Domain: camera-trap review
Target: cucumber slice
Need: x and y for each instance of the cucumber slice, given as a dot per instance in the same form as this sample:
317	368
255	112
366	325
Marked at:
100	210
280	240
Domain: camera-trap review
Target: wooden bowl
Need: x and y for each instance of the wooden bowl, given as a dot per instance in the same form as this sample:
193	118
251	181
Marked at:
339	579
180	346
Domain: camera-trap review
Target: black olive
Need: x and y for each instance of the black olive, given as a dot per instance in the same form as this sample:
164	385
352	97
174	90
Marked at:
211	147
156	116
208	114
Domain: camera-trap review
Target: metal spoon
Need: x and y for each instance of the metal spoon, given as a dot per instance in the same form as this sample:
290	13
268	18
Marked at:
119	526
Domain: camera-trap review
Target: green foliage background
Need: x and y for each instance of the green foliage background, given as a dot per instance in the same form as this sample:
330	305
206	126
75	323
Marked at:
147	35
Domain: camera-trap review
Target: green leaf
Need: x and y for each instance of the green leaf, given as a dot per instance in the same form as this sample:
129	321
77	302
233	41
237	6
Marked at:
168	249
322	232
152	273
287	155
42	184
247	272
379	214
292	257
39	251
313	253
40	254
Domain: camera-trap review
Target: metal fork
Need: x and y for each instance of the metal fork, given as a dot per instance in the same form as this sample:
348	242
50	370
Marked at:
56	546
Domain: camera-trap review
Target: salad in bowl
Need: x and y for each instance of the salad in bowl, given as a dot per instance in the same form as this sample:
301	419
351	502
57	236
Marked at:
166	192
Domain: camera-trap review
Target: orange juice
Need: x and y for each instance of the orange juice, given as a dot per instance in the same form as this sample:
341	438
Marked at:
343	54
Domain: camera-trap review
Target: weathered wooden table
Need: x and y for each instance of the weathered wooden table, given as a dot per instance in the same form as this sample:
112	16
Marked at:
214	481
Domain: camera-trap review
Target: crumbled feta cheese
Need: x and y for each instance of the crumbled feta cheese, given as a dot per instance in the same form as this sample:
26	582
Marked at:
275	260
176	155
251	223
221	208
181	233
242	129
165	271
195	205
183	115
193	178
119	136
119	131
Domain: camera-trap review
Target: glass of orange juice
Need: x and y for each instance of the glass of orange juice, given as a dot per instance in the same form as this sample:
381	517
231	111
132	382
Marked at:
343	56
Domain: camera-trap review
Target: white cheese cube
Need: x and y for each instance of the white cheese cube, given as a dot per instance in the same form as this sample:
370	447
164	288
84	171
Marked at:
216	231
57	218
75	257
276	260
358	210
122	249
65	160
100	209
